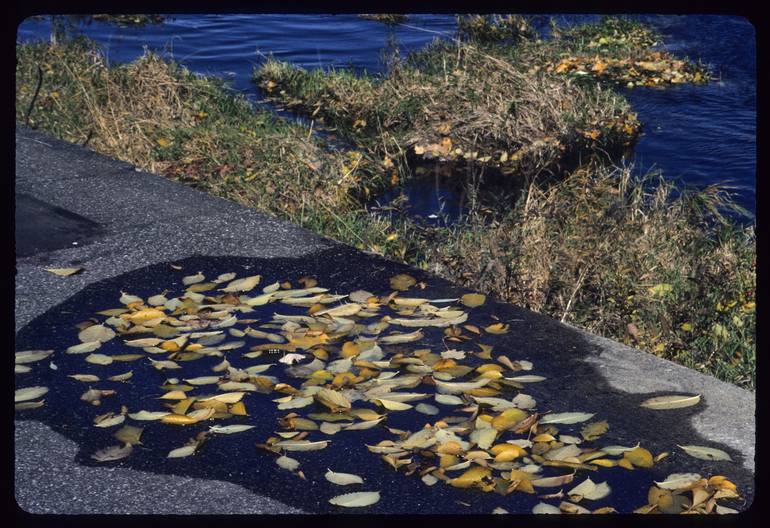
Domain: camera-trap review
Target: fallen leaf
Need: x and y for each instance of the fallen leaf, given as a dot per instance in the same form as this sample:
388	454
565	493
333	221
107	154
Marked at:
566	418
64	272
705	453
342	479
30	356
29	393
671	402
356	500
112	453
472	300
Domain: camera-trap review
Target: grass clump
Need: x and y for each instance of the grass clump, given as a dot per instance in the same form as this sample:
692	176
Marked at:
630	258
494	28
389	19
162	118
453	102
615	50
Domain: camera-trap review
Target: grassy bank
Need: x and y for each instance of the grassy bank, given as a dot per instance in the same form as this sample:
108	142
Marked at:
636	261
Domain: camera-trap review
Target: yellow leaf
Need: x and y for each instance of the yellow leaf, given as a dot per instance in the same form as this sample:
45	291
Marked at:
472	300
660	290
639	457
497	328
64	272
164	142
508	418
470	478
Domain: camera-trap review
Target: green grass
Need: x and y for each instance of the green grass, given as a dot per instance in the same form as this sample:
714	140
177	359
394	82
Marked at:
636	260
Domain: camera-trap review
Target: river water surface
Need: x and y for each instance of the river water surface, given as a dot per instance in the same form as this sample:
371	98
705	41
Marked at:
698	135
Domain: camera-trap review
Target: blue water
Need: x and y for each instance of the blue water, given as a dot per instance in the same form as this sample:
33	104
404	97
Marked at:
699	135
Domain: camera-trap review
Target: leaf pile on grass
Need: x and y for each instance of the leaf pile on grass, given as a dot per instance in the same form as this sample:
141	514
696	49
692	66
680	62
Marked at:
453	102
162	118
616	50
630	258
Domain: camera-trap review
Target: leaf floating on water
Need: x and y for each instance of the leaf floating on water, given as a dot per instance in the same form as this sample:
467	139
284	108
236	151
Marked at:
230	429
394	339
29	393
23	406
342	479
394	405
129	434
566	418
290	359
553	482
618	450
671	402
402	282
88	378
181	452
30	356
109	420
356	500
594	430
112	453
287	463
428	409
448	399
497	328
678	481
193	279
243	285
531	378
302	445
122	377
96	332
127	298
543	508
84	348
332	399
639	457
99	359
472	300
590	490
148	415
21	369
705	453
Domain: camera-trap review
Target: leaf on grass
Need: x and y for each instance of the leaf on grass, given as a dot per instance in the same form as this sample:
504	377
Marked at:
566	418
671	402
356	500
112	453
342	479
29	393
63	272
705	453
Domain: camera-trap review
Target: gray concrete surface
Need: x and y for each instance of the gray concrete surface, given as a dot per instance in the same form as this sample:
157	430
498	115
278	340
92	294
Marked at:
146	219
